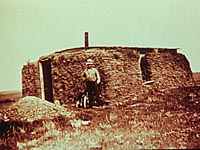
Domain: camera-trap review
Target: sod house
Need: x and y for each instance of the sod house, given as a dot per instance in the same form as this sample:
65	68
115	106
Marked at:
123	71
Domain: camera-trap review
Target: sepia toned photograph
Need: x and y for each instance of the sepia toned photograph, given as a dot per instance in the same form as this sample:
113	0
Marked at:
99	75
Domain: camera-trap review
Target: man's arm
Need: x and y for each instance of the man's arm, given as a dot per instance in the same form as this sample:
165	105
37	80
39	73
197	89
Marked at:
98	76
83	75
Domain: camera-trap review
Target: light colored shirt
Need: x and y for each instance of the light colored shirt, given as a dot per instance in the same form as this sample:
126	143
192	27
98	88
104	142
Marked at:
91	74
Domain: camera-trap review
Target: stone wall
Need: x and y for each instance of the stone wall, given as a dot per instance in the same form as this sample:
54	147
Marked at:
167	70
31	80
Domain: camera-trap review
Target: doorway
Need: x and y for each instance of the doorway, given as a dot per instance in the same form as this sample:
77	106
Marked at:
46	80
145	68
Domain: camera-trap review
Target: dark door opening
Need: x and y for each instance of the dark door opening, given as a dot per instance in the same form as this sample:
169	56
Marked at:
146	70
47	79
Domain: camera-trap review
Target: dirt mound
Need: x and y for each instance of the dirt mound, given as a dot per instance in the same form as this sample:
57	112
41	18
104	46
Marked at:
31	108
30	118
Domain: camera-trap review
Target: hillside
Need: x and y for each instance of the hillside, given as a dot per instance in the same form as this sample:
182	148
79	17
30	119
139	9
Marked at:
10	95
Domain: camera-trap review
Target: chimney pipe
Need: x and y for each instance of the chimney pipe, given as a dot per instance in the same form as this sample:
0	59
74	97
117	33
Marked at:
86	40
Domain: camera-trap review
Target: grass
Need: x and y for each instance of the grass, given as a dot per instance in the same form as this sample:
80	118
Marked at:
151	123
120	129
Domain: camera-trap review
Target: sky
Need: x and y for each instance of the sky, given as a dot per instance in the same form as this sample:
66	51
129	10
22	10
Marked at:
30	29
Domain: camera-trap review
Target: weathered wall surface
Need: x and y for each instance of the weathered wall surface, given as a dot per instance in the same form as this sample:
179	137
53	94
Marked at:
167	70
119	71
31	80
196	76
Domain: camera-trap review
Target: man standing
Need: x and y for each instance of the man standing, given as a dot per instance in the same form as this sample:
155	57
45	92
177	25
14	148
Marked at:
92	78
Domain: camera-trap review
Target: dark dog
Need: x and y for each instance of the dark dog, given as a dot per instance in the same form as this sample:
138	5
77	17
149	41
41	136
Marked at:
82	100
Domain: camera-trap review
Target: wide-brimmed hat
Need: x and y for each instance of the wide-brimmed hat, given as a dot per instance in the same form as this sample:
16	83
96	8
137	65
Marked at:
89	62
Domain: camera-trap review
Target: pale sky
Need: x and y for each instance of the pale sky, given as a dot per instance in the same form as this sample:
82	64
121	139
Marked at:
30	29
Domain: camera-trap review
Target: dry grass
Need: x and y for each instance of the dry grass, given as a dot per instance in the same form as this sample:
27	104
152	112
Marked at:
124	128
151	123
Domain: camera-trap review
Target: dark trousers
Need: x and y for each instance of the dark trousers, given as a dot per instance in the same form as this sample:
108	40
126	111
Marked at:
93	90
